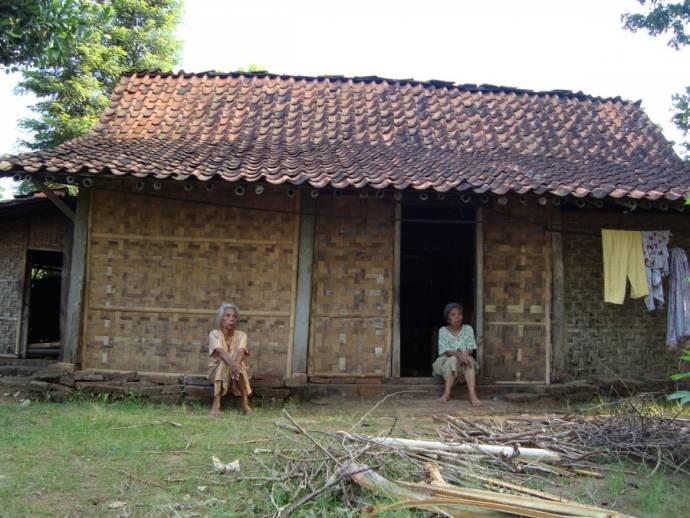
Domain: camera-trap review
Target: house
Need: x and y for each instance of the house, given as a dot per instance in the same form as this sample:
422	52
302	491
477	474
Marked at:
35	247
341	214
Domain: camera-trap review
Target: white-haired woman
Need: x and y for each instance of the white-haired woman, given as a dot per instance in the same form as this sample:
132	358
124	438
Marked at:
455	345
227	365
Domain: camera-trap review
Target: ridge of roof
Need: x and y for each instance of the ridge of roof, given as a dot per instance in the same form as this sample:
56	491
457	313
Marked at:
431	83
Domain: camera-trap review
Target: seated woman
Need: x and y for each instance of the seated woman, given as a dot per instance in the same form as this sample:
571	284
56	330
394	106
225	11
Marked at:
227	366
455	345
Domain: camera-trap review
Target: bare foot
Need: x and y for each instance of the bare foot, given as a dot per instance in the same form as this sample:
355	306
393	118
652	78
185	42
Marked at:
247	410
213	412
444	399
475	402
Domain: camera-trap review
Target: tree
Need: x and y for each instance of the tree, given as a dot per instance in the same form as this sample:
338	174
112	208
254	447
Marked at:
38	32
124	35
672	18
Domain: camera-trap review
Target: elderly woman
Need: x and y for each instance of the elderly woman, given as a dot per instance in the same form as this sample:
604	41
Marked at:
455	345
227	366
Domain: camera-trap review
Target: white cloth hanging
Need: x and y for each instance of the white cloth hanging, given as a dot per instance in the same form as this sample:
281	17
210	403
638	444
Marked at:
656	256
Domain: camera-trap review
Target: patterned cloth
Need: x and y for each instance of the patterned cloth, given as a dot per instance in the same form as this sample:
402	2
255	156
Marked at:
463	342
655	247
218	371
444	366
678	326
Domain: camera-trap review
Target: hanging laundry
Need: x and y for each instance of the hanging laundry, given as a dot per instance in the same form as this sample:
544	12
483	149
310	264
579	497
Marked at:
623	259
678	326
655	247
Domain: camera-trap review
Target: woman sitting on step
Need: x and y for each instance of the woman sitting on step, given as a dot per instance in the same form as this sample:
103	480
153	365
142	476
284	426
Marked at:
455	345
227	366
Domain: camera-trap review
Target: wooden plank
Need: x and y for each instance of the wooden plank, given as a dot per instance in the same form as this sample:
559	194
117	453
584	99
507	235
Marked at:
395	368
185	311
24	287
61	205
479	285
184	239
293	289
304	284
64	283
558	341
75	299
547	309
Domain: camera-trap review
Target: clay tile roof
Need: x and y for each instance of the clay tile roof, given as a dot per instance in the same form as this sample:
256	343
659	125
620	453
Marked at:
372	132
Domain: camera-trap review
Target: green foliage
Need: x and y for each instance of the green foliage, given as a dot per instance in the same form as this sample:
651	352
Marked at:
39	32
124	35
663	17
252	68
682	395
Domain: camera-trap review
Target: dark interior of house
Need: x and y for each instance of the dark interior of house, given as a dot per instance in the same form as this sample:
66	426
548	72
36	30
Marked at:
45	274
436	267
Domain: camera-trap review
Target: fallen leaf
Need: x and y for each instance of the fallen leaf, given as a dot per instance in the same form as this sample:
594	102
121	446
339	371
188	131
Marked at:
202	488
117	504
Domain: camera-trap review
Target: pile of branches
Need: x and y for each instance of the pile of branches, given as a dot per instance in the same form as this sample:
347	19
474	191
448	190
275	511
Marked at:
452	477
634	432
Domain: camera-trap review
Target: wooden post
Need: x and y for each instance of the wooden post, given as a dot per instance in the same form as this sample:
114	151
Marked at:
304	275
61	205
558	338
396	291
64	282
77	279
479	285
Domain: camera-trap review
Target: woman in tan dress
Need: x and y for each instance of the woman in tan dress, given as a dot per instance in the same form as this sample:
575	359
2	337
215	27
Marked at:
227	365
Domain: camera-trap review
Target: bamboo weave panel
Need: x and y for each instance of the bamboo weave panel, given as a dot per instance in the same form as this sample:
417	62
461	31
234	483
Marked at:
352	287
47	231
187	274
516	265
12	254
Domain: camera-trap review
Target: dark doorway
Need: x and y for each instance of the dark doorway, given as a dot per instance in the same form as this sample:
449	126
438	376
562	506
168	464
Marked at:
436	267
44	274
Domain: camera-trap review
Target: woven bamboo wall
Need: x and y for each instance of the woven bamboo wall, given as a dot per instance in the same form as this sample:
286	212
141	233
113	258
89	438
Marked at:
517	284
604	338
13	239
352	288
158	268
47	232
38	232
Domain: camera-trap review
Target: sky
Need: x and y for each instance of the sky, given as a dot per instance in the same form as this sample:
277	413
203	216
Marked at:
534	44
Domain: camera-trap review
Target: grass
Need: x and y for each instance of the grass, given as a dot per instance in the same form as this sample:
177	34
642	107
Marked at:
81	458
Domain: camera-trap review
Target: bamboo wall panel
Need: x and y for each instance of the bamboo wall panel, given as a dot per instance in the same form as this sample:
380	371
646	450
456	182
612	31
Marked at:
47	232
352	300
158	269
516	303
13	237
626	339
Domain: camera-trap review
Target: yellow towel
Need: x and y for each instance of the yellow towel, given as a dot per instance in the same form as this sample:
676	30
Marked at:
623	258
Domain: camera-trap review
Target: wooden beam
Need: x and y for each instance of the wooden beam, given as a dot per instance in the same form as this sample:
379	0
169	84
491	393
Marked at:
396	291
558	338
305	263
479	285
61	205
77	279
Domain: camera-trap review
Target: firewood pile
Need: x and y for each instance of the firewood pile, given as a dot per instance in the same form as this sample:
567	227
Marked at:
477	467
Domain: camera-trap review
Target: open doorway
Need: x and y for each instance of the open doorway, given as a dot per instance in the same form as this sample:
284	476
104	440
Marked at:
44	276
436	267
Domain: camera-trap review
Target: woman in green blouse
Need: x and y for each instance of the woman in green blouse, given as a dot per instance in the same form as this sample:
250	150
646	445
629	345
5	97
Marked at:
455	345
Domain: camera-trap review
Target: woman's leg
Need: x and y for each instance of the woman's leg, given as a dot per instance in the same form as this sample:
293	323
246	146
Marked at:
242	385
468	370
449	382
215	406
450	375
